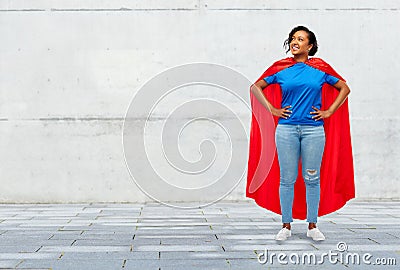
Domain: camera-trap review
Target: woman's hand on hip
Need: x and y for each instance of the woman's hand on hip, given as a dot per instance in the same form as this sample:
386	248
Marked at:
318	114
283	112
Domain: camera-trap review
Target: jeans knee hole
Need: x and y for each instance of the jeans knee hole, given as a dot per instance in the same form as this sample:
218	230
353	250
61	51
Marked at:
311	172
311	175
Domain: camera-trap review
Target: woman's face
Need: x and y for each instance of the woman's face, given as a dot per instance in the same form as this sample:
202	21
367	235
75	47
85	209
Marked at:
299	43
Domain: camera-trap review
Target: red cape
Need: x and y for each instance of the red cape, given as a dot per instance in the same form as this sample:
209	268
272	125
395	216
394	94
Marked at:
337	172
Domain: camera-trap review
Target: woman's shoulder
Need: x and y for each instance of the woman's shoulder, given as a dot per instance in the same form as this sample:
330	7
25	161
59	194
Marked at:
316	59
282	63
287	60
277	66
320	64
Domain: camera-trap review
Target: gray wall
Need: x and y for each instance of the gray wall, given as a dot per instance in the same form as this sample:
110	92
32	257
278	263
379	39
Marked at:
69	69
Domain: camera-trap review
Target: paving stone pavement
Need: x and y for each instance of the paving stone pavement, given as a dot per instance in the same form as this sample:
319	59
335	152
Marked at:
225	235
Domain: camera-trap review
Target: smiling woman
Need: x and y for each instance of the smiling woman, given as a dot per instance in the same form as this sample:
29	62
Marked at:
301	39
303	95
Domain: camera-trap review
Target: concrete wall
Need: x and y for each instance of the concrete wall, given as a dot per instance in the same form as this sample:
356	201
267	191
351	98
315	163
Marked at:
69	69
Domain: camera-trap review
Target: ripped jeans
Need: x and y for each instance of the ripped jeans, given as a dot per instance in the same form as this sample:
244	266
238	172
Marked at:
294	142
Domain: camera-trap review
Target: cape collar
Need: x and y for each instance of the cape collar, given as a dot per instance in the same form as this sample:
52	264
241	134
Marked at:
314	62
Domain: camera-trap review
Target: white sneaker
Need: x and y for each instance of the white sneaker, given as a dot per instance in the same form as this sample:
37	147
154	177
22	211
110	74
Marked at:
315	234
283	234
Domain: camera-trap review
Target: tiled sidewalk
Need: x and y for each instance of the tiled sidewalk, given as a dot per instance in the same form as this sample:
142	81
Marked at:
225	235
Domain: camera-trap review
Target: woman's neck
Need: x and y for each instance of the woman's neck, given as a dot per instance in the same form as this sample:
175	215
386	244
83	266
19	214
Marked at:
301	58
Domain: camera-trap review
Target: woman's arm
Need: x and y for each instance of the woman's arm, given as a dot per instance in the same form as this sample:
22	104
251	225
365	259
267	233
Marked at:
344	91
257	88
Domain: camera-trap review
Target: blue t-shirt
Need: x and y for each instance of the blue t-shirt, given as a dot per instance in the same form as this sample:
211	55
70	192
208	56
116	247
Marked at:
301	87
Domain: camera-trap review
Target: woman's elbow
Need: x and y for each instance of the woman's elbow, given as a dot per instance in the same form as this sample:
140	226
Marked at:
258	86
343	87
254	88
347	89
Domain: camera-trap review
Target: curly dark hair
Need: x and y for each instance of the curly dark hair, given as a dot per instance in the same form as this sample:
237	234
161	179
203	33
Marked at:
311	39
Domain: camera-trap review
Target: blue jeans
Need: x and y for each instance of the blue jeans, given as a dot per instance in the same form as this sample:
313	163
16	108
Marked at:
294	142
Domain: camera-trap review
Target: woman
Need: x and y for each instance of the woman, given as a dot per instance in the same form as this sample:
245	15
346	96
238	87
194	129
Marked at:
297	91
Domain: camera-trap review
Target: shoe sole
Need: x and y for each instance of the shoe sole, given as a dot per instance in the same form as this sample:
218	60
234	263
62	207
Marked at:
316	239
282	239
